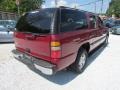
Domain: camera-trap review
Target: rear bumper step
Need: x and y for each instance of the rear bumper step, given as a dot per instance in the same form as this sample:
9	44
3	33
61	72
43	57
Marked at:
42	65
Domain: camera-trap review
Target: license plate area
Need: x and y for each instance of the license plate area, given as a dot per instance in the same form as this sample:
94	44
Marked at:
27	56
27	59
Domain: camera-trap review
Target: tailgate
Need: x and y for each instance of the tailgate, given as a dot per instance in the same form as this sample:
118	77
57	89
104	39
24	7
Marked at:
35	45
33	31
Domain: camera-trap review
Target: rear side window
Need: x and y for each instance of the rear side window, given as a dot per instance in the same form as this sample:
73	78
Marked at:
37	21
93	21
72	20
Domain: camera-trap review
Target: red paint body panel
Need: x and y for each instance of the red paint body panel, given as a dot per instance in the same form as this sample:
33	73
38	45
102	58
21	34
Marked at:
38	47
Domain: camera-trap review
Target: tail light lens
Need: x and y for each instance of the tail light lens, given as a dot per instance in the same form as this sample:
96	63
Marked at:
55	49
55	44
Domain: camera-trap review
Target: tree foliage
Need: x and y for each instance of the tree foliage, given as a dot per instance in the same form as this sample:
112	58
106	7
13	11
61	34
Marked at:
114	8
25	5
8	5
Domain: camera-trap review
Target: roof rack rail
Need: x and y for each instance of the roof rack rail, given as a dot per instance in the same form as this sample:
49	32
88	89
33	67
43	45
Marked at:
63	7
68	7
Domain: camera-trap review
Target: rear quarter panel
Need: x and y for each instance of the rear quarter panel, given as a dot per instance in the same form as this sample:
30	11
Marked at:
70	44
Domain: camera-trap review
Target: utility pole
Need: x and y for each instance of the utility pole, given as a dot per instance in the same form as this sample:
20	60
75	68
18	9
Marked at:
18	6
95	7
75	3
101	6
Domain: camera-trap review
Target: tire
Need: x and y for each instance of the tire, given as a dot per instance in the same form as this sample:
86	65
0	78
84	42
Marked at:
80	62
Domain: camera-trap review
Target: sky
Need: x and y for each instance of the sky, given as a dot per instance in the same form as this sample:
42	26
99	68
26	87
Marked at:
71	3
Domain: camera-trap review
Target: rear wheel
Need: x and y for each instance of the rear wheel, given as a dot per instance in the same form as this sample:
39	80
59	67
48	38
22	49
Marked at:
80	62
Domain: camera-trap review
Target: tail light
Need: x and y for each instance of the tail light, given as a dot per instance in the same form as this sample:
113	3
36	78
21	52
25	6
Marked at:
55	49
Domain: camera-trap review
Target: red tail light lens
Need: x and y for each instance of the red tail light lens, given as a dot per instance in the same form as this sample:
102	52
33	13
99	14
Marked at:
55	50
55	54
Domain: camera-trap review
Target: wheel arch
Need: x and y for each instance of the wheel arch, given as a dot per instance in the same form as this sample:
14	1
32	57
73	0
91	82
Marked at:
85	46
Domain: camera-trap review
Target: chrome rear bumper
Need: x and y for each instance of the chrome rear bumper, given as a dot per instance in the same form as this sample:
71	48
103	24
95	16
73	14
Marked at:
42	65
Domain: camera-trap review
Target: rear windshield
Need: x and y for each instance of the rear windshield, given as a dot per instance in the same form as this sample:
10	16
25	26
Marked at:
37	21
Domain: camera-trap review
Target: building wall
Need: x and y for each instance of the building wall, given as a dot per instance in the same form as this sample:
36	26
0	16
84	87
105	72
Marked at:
8	16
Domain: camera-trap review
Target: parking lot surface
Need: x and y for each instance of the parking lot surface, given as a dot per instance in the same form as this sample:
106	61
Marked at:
102	72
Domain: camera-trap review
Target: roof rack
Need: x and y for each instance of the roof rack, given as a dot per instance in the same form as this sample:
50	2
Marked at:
76	9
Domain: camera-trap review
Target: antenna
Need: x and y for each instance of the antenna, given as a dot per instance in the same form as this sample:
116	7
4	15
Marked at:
101	6
56	3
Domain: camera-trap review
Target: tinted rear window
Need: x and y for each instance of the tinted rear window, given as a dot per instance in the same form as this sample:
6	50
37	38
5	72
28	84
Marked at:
37	21
72	20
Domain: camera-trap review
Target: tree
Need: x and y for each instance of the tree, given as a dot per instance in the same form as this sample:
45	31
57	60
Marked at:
8	5
28	5
25	5
114	8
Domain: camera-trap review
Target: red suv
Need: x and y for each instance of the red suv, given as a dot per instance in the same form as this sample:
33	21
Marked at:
55	38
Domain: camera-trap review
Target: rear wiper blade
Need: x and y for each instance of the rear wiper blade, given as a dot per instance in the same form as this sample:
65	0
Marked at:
34	34
27	32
